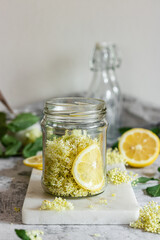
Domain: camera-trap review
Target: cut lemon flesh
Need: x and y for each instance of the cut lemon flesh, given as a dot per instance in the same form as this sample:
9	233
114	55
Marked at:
87	169
35	162
139	146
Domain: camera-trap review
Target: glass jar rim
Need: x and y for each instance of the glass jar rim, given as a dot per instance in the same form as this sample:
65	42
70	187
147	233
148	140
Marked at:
75	108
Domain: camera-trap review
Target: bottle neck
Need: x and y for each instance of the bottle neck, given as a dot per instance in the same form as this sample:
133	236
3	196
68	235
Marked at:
101	75
112	74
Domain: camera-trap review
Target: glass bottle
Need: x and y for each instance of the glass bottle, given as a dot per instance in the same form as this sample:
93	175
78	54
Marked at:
102	87
115	62
74	147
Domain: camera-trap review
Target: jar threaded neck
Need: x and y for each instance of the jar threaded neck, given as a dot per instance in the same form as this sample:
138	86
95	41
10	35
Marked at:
75	109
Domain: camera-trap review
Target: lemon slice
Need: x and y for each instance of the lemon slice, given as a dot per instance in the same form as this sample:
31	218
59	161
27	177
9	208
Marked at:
87	169
139	146
40	168
35	162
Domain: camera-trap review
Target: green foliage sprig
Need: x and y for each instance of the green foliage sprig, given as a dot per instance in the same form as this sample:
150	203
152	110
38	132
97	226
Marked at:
10	145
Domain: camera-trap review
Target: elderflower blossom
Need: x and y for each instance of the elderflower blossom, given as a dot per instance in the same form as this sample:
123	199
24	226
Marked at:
16	209
135	182
60	154
30	134
102	201
58	204
34	234
113	194
114	156
91	206
149	218
96	235
118	176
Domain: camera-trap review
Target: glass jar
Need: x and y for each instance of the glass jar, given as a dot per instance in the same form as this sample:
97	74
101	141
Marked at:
74	147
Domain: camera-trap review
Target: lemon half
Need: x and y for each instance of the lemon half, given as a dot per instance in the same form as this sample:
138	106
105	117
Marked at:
139	146
35	162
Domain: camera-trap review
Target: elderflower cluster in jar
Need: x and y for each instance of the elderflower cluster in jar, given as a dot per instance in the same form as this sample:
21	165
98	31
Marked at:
60	154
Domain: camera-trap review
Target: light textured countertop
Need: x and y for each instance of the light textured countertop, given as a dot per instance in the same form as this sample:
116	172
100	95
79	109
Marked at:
14	178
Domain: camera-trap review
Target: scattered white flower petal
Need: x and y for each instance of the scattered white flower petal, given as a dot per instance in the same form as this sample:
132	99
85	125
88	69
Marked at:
58	204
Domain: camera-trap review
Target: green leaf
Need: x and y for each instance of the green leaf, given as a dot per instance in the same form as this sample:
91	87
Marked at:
158	169
8	140
156	131
153	191
115	145
22	121
124	129
21	233
12	145
3	130
145	179
1	152
32	148
2	118
13	149
3	127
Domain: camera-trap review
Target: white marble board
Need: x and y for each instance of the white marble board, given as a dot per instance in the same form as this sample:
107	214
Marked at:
121	209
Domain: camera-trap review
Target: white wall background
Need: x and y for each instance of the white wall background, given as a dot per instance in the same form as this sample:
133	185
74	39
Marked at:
45	46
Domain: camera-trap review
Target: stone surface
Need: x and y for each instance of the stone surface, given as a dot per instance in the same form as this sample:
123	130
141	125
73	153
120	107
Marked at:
14	194
14	178
121	209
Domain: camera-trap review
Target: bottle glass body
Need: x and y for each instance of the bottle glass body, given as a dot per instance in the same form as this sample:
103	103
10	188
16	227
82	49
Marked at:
117	93
104	85
102	89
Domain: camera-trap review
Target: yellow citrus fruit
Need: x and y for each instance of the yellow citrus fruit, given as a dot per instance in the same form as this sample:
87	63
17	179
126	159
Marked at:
139	146
35	162
40	168
87	168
